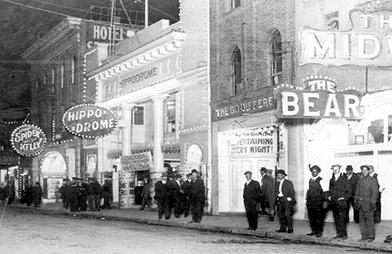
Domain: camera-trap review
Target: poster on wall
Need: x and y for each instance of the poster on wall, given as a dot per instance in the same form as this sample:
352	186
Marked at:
28	140
137	162
253	142
126	189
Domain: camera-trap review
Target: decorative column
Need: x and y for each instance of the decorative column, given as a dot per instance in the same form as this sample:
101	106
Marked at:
126	128
158	135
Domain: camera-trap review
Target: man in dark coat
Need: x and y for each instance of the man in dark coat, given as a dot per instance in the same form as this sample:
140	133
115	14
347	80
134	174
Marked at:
377	213
107	194
186	186
315	198
178	195
352	180
162	196
339	193
74	193
285	202
64	191
197	197
96	193
37	190
251	195
267	193
146	199
365	199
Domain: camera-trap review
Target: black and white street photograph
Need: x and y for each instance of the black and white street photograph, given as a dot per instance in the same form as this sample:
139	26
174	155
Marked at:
195	126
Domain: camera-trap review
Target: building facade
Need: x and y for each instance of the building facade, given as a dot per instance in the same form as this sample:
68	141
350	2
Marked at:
157	85
252	51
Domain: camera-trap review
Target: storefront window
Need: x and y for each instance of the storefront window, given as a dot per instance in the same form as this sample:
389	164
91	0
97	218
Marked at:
171	114
390	128
375	131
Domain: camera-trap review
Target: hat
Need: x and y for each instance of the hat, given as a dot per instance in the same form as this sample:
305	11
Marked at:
247	172
188	175
315	167
264	170
349	167
364	166
281	171
194	171
177	176
336	165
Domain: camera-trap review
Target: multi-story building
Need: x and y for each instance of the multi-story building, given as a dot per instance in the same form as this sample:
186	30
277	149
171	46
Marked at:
157	85
252	51
58	82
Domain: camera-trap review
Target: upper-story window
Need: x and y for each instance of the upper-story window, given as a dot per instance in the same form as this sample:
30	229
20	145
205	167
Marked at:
236	70
62	73
73	64
138	115
234	4
276	57
171	114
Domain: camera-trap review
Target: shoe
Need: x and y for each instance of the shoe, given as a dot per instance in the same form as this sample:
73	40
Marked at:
280	231
337	237
290	231
319	234
370	240
345	237
362	239
271	218
191	221
312	233
141	209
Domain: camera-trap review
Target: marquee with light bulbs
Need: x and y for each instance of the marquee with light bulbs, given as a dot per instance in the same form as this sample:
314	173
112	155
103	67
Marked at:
28	140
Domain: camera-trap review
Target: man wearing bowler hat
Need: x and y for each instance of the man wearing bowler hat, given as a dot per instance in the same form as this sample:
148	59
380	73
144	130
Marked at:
365	199
315	198
285	202
267	193
352	180
197	196
339	193
251	195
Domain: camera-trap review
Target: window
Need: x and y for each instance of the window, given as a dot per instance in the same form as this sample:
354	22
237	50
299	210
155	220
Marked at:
236	70
171	114
235	4
73	64
375	131
62	76
138	115
276	58
53	76
333	21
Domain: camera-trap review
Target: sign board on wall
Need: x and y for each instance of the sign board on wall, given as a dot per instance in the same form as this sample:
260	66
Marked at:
236	107
28	140
252	142
105	33
319	99
369	42
137	162
89	121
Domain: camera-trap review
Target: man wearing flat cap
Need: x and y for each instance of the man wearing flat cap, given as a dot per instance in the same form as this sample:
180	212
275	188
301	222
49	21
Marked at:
365	199
251	195
267	193
285	202
339	193
315	198
352	181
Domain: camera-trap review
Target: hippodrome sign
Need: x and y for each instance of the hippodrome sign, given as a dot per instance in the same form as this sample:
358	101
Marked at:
319	99
28	140
89	121
369	42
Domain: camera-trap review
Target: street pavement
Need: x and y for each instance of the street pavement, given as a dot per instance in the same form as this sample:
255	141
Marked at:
236	224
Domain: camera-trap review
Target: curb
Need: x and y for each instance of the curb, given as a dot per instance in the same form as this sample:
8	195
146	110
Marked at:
260	233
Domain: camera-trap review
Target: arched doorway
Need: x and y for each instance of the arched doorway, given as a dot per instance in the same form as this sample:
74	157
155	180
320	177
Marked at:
53	170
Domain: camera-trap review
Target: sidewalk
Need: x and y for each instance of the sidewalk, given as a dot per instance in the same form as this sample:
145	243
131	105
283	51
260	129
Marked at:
237	224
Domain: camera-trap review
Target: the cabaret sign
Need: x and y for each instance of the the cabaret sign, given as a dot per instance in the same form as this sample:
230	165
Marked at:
369	42
252	142
28	140
318	99
89	121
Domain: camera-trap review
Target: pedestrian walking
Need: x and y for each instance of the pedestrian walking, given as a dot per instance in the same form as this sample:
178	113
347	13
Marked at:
339	193
57	192
352	181
37	190
162	196
365	199
178	196
377	213
251	195
96	194
315	198
197	197
285	202
267	193
146	198
107	194
186	186
74	193
64	191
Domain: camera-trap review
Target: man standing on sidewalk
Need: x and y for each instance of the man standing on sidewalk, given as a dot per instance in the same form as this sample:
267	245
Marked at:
315	198
197	196
352	180
339	193
365	199
267	193
377	213
286	202
251	195
162	196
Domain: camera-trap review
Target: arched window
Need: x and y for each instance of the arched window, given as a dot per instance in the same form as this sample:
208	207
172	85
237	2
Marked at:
276	57
236	70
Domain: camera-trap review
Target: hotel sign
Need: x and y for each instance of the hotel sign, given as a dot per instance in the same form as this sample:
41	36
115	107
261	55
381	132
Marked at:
236	107
368	42
319	99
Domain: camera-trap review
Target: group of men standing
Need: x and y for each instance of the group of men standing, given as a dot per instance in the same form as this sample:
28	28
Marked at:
360	191
181	196
85	194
